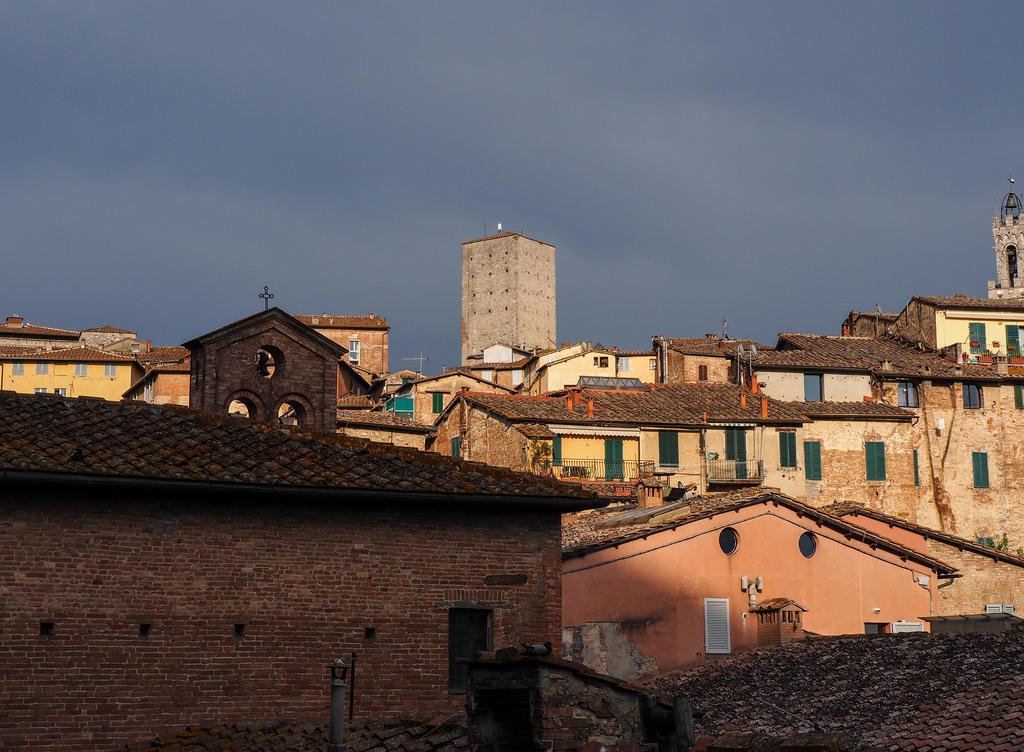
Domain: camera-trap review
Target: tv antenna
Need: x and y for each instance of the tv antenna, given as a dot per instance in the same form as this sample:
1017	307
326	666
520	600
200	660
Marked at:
750	353
725	329
422	359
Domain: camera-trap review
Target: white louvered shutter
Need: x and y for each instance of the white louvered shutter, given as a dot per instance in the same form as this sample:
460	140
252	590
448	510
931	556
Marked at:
716	625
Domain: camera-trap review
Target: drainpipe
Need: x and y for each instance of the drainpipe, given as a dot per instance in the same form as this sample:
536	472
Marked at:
337	731
923	581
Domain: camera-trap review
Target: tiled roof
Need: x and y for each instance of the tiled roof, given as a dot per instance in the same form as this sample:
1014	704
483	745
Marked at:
31	330
851	410
108	329
596	531
152	371
632	353
723	348
355	400
535	431
494	366
506	235
379	419
663	404
131	440
173	354
894	692
459	372
845	508
13	351
330	321
963	301
79	355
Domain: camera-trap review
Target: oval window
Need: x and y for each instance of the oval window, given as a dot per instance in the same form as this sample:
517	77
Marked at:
728	541
808	545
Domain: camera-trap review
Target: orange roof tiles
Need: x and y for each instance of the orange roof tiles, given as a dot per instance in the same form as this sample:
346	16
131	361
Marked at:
330	321
80	355
172	354
31	330
108	329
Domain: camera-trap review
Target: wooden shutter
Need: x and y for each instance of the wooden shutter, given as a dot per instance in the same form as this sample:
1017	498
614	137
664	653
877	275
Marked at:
874	454
1013	340
917	474
613	459
787	449
668	448
812	460
438	405
556	451
980	462
977	335
716	625
1018	396
456	446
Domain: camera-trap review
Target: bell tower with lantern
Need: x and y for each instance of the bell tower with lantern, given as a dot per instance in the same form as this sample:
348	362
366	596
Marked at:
1008	243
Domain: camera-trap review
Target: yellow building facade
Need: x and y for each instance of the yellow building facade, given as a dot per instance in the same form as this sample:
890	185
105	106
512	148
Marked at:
77	372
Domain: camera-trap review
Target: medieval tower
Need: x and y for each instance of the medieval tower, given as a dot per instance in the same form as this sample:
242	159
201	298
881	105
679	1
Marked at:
508	293
1007	239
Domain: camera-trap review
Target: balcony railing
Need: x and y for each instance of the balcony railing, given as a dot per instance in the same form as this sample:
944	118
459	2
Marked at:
735	471
622	470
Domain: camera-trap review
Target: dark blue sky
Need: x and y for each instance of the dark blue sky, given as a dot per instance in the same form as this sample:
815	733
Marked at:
772	164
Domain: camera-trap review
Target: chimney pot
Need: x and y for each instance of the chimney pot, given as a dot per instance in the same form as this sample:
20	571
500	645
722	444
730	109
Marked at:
15	320
590	406
743	399
764	406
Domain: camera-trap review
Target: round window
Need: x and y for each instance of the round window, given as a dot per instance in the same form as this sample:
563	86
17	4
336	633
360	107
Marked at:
808	544
728	541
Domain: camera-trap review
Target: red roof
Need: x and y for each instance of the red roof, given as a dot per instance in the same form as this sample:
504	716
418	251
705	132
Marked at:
331	321
108	329
79	355
174	354
380	419
31	330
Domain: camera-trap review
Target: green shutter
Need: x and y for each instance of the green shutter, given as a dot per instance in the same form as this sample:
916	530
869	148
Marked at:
787	449
456	446
1013	340
980	462
438	399
812	460
874	455
668	448
556	451
977	335
613	459
1018	396
917	472
736	449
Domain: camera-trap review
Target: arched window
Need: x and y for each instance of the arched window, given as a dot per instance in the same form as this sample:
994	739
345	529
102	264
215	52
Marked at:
1011	264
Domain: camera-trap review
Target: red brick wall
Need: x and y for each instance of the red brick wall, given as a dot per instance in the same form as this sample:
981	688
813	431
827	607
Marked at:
305	578
373	346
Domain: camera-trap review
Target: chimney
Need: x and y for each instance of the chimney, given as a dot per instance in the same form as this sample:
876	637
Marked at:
1001	363
764	407
754	387
649	495
569	405
590	406
743	399
15	321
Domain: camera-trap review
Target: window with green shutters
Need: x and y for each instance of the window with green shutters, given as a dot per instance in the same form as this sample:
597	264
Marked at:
874	455
1018	396
1013	340
613	465
438	399
977	337
456	446
556	451
787	449
668	448
917	472
980	462
812	460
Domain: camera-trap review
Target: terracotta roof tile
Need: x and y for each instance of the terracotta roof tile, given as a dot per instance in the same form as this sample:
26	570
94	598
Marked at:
330	321
174	354
31	330
711	345
79	355
963	301
851	410
896	692
357	401
380	419
133	440
108	329
13	351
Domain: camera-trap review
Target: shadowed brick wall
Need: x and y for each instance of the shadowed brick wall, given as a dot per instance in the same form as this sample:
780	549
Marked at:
311	582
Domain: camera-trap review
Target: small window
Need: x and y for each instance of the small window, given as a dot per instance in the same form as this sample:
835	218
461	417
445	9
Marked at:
652	365
145	629
46	627
469	631
812	460
808	545
702	373
624	365
239	630
728	541
517	377
972	397
874	455
42	369
1018	397
456	446
353	351
437	402
716	625
81	370
40	390
906	394
668	448
487	375
18	368
787	449
601	361
979	461
61	391
110	370
812	387
875	627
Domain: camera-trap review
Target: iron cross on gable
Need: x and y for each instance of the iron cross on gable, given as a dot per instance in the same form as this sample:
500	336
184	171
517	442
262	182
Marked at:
266	296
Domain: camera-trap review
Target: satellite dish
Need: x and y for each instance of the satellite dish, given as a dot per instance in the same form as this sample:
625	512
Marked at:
739	349
753	350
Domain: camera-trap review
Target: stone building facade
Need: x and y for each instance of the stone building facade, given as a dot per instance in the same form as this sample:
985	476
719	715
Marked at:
364	337
1007	242
508	293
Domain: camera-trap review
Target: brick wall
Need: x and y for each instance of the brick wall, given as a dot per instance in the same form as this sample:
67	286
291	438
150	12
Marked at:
985	580
483	438
171	389
373	346
306	579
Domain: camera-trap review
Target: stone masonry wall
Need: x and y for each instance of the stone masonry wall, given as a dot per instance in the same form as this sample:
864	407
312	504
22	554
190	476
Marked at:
985	580
310	582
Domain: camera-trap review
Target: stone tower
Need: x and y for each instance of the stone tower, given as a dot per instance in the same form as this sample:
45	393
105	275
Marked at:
508	293
1007	240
